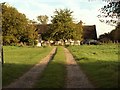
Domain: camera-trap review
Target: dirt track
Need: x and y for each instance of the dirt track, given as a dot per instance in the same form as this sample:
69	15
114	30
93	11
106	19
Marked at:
75	77
30	77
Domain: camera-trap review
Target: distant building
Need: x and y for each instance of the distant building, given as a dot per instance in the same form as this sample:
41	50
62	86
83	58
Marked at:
89	31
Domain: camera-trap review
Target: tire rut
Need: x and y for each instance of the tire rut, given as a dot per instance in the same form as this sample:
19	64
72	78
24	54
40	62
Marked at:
30	77
75	77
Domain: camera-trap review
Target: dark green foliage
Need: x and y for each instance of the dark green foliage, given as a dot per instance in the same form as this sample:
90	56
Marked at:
43	19
112	36
115	34
63	27
16	27
61	24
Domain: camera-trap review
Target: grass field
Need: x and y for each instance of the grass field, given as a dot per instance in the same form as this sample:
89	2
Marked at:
18	60
54	74
99	62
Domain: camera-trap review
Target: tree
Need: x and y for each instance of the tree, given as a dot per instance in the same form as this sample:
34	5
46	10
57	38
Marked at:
79	31
15	26
62	26
111	36
105	38
110	13
43	19
32	22
47	35
114	34
12	22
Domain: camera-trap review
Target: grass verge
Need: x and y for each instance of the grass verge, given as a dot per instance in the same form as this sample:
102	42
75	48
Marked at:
18	60
99	62
54	75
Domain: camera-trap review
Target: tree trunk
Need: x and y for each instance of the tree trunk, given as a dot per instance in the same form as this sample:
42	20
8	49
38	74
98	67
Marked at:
2	56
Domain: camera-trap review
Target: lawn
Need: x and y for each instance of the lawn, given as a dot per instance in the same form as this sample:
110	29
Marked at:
54	75
18	60
99	62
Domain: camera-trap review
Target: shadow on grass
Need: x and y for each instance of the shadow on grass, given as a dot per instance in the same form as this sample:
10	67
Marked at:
11	72
82	58
51	77
103	74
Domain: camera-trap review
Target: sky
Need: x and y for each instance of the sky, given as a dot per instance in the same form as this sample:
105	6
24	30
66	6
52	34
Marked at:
85	10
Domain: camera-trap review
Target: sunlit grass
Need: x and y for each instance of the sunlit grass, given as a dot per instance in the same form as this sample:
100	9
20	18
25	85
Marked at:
18	60
99	62
54	74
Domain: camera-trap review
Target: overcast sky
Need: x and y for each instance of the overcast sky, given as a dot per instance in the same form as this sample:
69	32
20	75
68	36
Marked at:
84	10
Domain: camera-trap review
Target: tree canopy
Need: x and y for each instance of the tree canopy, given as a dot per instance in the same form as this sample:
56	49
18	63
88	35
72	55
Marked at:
16	27
43	19
63	27
110	13
111	36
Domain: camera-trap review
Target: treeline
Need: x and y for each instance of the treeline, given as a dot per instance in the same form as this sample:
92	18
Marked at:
16	28
113	36
111	11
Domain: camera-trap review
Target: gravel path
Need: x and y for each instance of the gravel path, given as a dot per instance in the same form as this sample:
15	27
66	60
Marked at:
29	78
75	77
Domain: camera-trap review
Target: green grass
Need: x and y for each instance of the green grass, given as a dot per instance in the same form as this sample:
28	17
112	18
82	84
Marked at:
54	75
18	60
99	62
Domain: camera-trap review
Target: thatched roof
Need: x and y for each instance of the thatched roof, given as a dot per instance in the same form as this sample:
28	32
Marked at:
42	28
89	31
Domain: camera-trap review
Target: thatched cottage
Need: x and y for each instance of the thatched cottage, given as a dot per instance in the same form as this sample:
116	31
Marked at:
89	31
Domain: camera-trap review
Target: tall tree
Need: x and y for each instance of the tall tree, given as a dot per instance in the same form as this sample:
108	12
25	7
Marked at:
15	26
111	36
62	26
12	24
79	31
43	19
115	34
31	34
110	14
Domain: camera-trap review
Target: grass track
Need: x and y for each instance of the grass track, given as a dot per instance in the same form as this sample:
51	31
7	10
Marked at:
54	75
99	62
18	60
